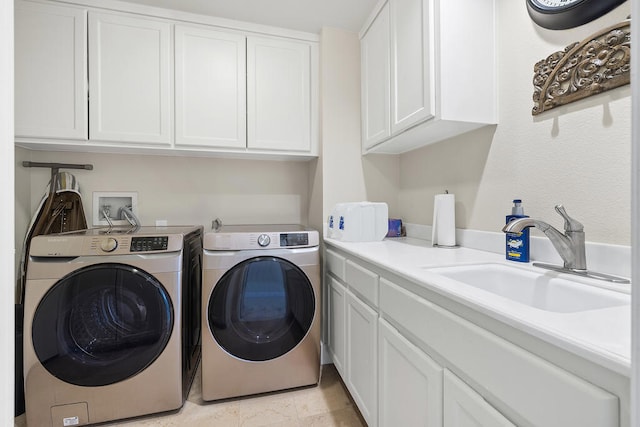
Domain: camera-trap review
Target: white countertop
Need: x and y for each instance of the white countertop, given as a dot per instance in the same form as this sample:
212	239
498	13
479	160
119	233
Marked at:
602	336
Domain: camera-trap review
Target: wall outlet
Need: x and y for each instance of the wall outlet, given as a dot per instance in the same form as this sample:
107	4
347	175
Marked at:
161	222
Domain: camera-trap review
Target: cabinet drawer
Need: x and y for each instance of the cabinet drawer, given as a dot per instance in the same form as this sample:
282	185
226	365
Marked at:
502	371
363	281
334	263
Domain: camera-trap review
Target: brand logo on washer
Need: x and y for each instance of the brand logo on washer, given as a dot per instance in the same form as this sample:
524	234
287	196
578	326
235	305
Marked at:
70	421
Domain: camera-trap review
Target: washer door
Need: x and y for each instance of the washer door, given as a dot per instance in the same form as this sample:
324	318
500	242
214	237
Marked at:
261	308
102	324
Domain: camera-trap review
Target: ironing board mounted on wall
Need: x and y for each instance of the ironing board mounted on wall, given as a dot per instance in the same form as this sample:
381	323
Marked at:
59	211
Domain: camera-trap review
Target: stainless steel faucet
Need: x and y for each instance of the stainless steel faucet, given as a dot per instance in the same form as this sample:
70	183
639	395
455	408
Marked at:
569	245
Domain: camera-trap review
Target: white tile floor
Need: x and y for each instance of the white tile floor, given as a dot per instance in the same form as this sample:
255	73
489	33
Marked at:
327	405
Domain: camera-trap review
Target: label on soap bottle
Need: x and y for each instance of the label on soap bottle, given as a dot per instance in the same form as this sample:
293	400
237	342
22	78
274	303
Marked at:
517	244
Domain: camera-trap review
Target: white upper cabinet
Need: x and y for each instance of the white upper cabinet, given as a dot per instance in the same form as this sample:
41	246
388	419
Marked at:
376	103
210	87
130	75
50	71
278	94
412	59
442	72
134	79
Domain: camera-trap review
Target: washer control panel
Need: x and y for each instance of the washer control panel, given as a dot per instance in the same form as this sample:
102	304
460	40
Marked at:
149	243
110	242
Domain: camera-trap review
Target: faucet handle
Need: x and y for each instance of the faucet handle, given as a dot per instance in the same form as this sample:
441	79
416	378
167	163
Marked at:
570	224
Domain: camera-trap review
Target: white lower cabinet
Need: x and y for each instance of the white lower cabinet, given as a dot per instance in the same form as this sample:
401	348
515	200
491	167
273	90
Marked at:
409	382
337	323
403	358
463	407
353	330
362	360
535	391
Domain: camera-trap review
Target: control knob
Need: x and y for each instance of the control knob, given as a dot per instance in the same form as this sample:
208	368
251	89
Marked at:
109	244
264	240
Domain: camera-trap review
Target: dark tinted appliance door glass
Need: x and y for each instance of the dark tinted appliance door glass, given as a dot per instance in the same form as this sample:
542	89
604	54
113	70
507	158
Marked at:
261	308
102	324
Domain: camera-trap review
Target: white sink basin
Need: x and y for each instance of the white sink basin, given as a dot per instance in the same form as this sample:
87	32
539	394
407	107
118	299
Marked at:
542	291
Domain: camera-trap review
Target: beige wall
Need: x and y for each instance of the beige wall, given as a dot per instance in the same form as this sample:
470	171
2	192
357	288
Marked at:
187	190
577	155
346	175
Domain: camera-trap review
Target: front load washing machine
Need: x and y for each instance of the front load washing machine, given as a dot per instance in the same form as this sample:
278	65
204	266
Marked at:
109	323
261	310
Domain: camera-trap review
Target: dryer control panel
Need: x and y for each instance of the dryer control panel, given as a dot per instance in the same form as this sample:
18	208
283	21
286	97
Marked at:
260	237
294	239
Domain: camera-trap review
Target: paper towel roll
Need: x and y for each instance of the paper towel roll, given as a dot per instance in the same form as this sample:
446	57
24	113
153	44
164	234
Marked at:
444	220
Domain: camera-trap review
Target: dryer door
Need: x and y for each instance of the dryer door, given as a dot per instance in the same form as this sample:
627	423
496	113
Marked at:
261	308
102	324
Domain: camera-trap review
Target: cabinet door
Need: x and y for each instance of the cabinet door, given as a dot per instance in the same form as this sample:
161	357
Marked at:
374	57
337	324
409	382
210	88
278	94
412	86
362	360
130	74
50	71
463	407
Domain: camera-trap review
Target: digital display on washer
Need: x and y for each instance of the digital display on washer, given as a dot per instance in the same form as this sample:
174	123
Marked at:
294	239
145	244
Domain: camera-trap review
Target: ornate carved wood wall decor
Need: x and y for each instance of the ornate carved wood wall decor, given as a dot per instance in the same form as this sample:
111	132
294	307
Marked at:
597	64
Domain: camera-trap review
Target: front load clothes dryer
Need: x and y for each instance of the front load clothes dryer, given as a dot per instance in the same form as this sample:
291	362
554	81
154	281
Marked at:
109	319
261	310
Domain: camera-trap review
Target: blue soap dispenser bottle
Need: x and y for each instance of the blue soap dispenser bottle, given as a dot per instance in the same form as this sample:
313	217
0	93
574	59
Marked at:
517	244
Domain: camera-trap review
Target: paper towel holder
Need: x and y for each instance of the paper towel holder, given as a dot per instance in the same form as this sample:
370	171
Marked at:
434	233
